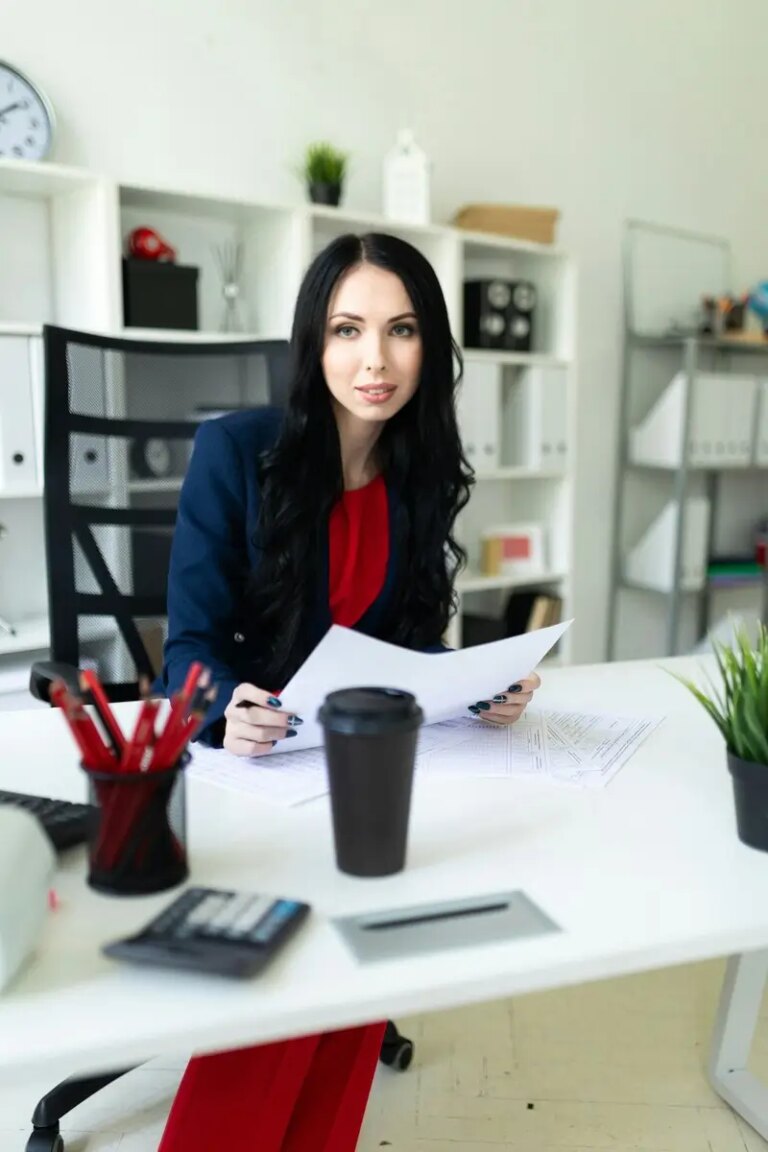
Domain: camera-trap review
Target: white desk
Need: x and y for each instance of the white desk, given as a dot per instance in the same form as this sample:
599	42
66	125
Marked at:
647	873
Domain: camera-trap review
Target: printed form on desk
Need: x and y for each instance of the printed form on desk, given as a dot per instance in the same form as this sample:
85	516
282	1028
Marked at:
571	748
582	750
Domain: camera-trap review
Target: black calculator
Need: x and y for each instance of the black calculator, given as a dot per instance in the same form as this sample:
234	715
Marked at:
215	931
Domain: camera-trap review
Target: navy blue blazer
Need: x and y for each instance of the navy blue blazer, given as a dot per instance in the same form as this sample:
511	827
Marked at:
213	553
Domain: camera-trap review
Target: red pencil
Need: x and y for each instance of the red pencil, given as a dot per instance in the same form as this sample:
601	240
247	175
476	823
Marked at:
138	750
175	721
93	749
89	682
191	727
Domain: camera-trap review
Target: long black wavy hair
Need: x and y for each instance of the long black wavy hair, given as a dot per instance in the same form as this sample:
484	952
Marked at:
419	452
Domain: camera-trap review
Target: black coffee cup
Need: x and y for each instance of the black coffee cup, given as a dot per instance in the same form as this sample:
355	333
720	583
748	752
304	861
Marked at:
370	749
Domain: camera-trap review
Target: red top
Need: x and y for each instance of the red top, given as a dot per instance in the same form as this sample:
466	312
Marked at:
358	541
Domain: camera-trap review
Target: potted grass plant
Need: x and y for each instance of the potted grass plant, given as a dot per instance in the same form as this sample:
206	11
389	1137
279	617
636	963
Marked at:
739	707
324	171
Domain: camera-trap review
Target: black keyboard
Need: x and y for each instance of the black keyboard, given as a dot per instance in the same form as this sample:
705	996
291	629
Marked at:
65	822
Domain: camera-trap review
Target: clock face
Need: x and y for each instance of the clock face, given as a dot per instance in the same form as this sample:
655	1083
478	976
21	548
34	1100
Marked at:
26	118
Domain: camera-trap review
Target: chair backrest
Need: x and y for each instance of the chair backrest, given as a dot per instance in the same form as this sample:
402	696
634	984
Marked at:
120	417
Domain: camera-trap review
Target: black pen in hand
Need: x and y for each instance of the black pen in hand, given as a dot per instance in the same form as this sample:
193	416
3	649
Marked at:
273	702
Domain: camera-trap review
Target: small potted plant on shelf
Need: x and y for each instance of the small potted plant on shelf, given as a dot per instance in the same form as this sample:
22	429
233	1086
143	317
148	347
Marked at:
324	171
739	707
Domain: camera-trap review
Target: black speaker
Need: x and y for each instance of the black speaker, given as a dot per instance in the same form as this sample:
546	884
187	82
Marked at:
499	314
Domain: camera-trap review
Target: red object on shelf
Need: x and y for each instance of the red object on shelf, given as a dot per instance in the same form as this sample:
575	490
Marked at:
146	244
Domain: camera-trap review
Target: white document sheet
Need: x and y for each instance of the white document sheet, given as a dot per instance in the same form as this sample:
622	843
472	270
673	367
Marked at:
444	684
284	780
588	749
469	747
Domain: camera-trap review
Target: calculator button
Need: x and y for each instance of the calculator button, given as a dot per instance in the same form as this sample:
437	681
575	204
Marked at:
251	917
228	914
203	912
282	911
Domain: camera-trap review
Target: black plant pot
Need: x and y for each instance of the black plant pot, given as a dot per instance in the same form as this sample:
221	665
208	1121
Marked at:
750	793
321	192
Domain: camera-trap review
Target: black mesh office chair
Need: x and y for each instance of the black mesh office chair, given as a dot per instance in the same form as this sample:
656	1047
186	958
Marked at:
120	418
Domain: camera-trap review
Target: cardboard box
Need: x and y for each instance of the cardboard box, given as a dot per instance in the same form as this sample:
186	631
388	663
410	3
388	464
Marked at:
519	221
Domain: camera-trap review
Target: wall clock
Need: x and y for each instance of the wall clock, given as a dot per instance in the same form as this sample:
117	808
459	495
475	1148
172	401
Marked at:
26	117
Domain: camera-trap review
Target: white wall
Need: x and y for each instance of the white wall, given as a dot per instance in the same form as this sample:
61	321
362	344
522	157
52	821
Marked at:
606	108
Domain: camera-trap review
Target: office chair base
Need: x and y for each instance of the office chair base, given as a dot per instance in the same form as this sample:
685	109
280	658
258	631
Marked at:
45	1140
60	1100
396	1050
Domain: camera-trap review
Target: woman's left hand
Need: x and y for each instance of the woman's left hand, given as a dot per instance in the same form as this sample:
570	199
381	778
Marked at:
509	705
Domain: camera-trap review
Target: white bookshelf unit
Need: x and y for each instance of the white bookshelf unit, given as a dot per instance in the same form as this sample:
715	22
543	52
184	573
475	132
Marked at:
62	235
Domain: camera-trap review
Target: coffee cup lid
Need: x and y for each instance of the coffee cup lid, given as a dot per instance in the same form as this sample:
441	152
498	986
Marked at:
367	711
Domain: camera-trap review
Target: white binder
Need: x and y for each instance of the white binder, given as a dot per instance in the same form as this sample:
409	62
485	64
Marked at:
536	420
477	410
723	411
651	563
761	438
18	466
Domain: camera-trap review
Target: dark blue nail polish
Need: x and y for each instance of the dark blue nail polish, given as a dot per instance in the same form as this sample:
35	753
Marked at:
274	702
483	705
499	699
273	742
291	732
515	688
473	709
295	720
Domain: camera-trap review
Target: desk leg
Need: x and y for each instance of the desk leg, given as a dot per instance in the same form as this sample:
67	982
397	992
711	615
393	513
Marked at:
740	1001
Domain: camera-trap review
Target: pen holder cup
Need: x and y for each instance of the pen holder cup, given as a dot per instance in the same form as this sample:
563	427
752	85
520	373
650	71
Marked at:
137	836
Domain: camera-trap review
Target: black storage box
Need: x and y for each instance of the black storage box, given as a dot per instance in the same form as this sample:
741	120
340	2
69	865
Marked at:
159	295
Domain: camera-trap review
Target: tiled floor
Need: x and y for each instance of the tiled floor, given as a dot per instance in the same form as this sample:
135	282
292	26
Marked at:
616	1066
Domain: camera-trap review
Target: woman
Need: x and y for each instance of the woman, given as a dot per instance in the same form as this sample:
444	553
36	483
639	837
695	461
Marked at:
342	511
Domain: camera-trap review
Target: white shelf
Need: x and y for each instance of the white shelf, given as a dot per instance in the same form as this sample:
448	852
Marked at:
194	336
40	179
475	582
20	328
373	222
34	635
520	473
168	484
197	204
485	240
516	359
642	586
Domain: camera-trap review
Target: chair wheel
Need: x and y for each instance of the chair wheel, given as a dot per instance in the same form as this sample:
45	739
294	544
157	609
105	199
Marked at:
397	1054
44	1140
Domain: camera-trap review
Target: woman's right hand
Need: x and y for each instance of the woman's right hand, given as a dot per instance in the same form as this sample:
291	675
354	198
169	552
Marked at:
255	722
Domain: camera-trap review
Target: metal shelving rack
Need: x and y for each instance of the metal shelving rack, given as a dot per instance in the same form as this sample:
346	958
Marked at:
696	354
